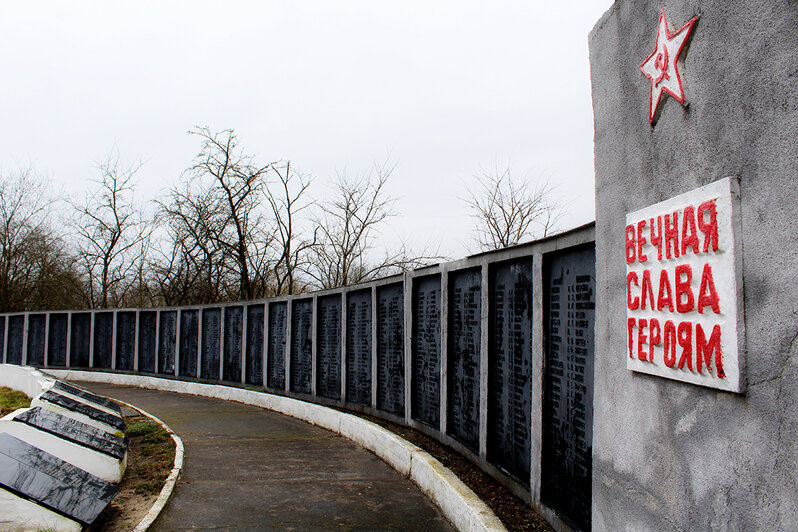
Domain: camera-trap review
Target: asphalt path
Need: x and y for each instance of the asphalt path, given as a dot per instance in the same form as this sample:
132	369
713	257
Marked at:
247	468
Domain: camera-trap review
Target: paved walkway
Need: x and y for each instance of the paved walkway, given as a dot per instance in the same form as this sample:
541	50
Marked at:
247	468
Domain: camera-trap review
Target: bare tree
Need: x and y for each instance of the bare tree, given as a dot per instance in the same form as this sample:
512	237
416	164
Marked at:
347	228
110	230
287	203
507	209
218	235
189	267
35	267
238	184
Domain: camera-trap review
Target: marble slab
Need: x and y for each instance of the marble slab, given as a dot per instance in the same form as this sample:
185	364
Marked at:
88	396
75	431
82	408
52	482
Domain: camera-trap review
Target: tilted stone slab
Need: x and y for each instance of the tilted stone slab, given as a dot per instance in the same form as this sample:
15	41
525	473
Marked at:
51	482
88	396
96	414
74	431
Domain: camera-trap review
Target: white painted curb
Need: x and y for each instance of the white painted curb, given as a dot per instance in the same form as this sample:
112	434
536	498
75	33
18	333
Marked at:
171	480
458	503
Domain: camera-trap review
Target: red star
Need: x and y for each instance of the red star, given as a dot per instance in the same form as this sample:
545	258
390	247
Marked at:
662	66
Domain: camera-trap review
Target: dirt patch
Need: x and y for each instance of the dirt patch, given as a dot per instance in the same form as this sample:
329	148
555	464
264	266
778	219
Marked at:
11	400
513	512
151	455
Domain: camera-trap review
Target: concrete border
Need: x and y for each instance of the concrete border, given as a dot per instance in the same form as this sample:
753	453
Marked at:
459	504
171	480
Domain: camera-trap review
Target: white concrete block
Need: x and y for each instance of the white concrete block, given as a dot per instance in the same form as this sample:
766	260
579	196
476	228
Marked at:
17	513
98	464
385	444
458	503
322	416
27	380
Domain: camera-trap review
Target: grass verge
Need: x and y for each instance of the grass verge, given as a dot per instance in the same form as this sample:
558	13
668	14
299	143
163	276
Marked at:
151	455
11	400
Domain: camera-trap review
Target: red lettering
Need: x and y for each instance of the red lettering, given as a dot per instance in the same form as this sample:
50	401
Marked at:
685	336
630	244
647	289
664	286
630	324
655	337
671	235
704	349
689	239
707	295
683	287
641	339
710	228
669	332
656	239
632	304
641	240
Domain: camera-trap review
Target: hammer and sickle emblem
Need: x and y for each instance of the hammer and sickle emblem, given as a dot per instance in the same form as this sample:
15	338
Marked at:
661	64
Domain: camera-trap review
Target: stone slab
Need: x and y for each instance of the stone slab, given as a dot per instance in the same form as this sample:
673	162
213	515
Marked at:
74	431
52	482
87	396
96	414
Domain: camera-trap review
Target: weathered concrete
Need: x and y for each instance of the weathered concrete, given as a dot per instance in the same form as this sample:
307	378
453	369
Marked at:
670	455
275	472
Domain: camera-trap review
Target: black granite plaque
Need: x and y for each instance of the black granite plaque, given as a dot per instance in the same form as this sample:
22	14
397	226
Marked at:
37	327
88	396
211	342
465	336
510	367
74	431
57	340
426	390
147	341
358	347
103	339
276	354
255	345
3	320
51	482
16	332
189	330
125	339
80	340
391	349
301	345
167	342
328	347
82	408
568	384
233	331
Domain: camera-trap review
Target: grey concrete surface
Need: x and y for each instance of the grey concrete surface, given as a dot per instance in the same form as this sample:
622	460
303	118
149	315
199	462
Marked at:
670	455
249	468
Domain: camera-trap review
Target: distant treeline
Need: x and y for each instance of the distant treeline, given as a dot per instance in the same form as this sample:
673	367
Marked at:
232	228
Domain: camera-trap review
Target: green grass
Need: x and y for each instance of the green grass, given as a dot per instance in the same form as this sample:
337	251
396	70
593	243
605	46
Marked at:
141	429
155	451
10	400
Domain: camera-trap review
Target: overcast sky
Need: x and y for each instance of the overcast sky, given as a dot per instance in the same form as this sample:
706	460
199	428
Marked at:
442	88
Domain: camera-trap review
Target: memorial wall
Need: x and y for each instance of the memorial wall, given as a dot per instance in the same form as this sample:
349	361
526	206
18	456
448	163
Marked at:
449	349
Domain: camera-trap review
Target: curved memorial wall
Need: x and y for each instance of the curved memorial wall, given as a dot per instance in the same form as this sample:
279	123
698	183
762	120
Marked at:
491	354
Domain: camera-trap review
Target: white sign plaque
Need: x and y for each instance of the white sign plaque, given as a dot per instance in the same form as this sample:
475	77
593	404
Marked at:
684	303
